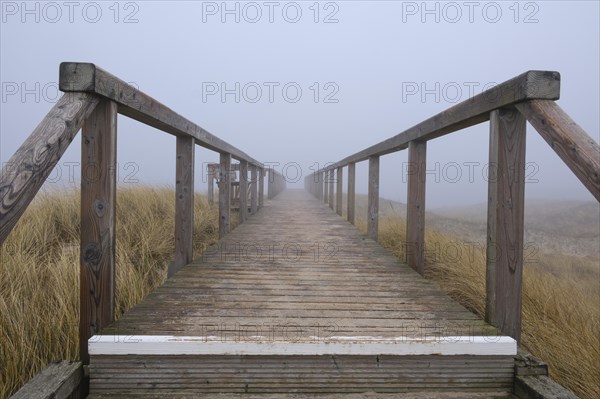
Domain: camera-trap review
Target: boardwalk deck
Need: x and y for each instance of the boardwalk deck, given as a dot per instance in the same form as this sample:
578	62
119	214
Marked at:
297	300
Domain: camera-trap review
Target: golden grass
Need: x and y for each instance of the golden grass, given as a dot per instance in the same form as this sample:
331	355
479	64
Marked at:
39	280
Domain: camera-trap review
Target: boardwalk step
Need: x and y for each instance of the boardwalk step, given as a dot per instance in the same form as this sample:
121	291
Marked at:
369	395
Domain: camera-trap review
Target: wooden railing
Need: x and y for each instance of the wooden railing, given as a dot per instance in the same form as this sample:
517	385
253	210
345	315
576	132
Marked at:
92	101
508	106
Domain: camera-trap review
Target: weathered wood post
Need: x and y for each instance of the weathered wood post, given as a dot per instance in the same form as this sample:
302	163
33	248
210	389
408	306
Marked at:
319	181
373	206
326	186
243	191
331	189
340	190
271	180
211	174
351	191
254	191
98	196
506	197
261	187
415	208
184	203
224	194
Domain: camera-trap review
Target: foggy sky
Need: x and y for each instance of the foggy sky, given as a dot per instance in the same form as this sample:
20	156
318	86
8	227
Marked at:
365	60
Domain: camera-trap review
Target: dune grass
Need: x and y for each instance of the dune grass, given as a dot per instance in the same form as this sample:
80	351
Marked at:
39	278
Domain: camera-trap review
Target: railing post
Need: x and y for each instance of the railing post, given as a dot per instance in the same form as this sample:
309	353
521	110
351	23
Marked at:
326	186
351	191
184	203
224	194
319	181
373	207
210	172
98	196
338	198
506	197
331	189
243	191
415	208
254	191
271	186
261	187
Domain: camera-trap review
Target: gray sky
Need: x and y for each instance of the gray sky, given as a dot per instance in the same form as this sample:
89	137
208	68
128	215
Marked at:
366	71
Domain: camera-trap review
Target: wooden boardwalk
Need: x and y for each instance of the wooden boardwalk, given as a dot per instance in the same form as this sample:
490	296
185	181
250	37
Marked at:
298	300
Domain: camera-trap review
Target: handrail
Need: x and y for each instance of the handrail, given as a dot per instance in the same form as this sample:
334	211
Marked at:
527	97
91	102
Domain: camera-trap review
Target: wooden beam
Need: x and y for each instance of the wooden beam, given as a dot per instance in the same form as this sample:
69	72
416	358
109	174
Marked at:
351	191
504	266
98	197
86	77
572	144
261	187
27	170
60	380
224	194
331	187
543	85
373	206
339	192
415	208
184	203
243	191
254	191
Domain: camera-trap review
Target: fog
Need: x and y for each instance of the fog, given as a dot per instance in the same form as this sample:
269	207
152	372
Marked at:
301	84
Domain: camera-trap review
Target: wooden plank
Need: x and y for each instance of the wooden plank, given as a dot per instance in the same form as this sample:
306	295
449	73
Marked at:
505	227
261	187
27	170
572	144
98	204
331	187
531	85
86	77
339	191
243	191
60	380
184	203
415	208
224	194
373	200
254	191
351	191
541	387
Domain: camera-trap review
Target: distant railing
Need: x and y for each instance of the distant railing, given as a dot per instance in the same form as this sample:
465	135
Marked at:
508	106
92	101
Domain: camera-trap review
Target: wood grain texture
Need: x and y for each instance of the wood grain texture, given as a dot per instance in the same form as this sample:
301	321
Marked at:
243	191
373	199
254	189
86	77
27	170
505	230
570	142
544	85
224	194
339	191
98	205
184	203
59	380
415	206
351	191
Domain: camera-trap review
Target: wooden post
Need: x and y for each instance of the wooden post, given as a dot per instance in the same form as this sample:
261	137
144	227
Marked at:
210	172
261	187
254	191
373	207
351	191
271	185
319	181
243	191
506	197
98	196
331	189
184	203
338	198
415	209
224	194
326	186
